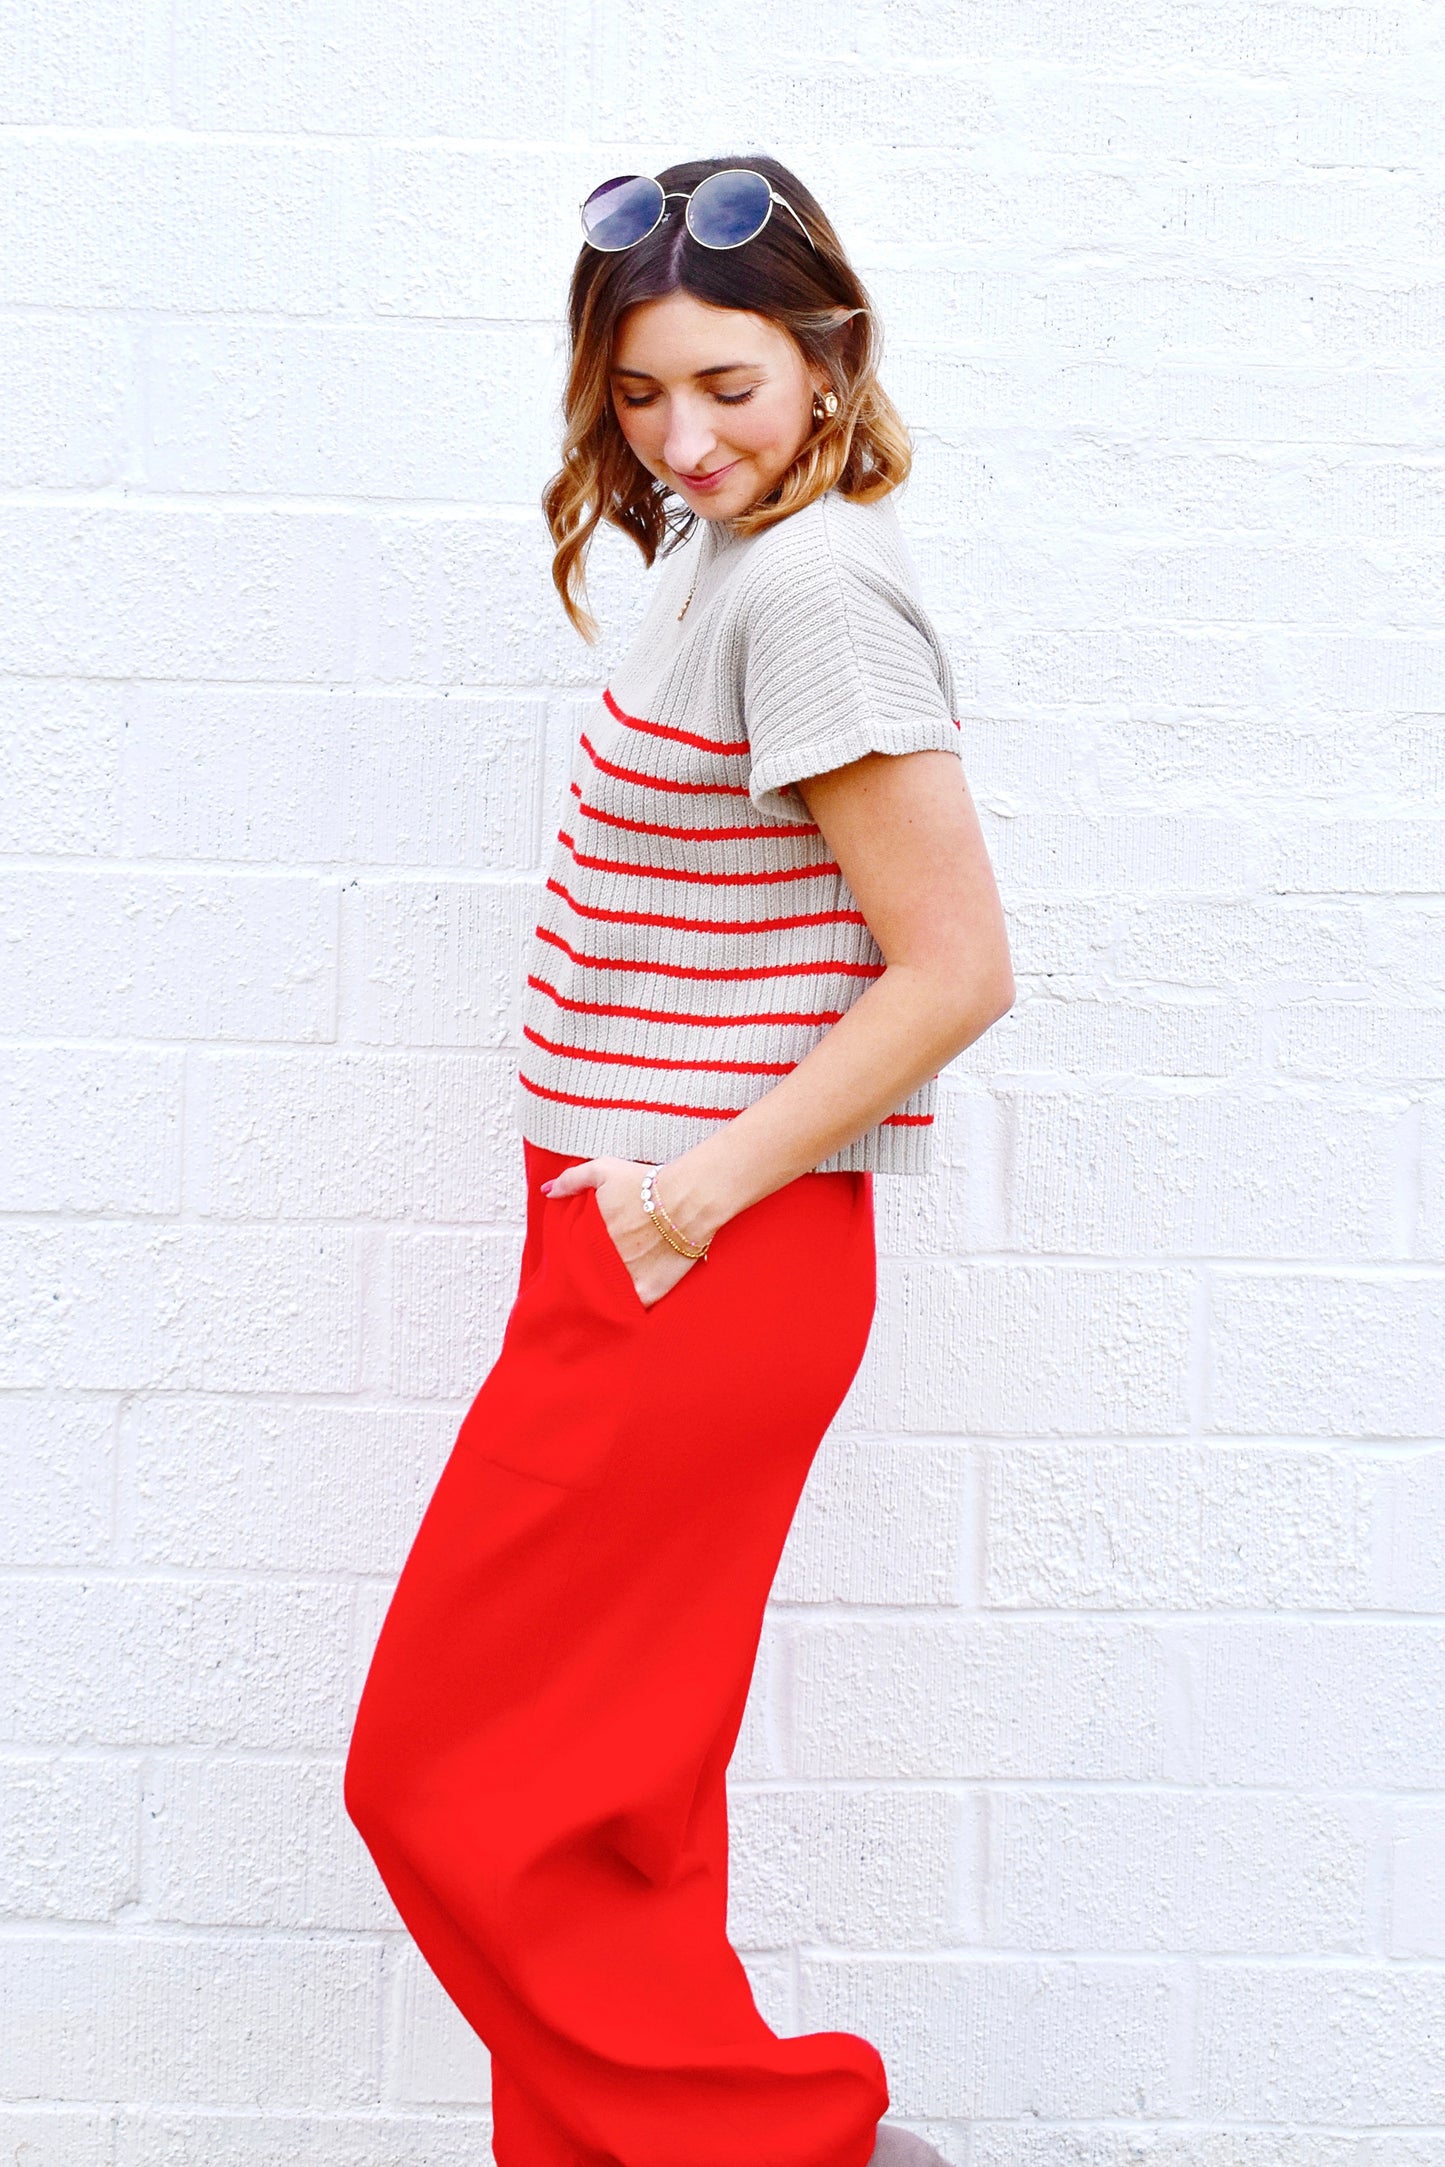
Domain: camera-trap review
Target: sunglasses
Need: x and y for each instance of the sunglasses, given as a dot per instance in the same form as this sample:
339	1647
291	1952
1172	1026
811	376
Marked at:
723	211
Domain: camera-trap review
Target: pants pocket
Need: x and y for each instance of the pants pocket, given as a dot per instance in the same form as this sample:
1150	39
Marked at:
611	1282
551	1404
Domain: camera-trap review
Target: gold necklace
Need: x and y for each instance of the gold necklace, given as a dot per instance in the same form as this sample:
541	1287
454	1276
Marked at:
690	593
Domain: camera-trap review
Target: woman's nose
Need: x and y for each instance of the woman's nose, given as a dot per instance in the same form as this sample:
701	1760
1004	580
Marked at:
690	441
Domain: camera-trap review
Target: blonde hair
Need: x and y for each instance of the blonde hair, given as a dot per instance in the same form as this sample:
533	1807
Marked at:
811	292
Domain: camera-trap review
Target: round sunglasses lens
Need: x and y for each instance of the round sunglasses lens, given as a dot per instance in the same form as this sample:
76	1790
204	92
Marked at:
622	211
729	208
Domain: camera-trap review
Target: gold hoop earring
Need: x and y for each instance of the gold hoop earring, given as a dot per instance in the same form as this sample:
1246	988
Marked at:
825	406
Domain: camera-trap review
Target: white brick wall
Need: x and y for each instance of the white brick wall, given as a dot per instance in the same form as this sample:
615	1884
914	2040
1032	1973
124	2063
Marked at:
1095	1763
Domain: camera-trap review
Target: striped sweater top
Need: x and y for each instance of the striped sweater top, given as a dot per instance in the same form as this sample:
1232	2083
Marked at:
696	937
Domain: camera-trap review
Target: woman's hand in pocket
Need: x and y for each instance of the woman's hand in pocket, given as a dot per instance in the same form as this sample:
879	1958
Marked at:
654	1264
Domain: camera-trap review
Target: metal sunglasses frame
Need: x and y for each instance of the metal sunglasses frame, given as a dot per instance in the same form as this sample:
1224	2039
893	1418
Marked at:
685	195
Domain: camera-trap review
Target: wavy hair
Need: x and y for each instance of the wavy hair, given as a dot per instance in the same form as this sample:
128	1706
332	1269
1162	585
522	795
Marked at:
812	293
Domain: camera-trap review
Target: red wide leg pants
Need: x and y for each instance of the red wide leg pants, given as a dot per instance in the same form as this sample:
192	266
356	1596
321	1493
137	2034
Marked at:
538	1761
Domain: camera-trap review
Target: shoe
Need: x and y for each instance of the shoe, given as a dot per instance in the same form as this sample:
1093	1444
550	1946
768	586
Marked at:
899	2148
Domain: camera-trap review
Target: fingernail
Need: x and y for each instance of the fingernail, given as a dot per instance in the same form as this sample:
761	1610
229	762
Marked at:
545	1187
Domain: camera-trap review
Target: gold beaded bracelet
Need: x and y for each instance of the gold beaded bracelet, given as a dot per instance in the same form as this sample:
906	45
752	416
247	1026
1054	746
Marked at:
671	1234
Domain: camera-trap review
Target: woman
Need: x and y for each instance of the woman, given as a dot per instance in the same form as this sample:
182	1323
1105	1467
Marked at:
770	921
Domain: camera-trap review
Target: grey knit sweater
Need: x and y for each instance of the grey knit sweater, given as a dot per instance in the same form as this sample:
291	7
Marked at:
696	936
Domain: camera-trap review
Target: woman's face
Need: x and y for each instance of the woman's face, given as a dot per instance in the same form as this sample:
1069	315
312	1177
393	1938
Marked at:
716	402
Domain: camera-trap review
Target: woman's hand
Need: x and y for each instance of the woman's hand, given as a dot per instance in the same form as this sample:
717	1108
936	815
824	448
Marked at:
655	1265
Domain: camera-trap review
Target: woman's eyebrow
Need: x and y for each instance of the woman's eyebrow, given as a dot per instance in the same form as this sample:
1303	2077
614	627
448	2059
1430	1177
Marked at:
719	368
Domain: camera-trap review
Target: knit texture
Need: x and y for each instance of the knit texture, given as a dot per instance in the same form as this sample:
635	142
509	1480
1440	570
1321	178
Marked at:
696	937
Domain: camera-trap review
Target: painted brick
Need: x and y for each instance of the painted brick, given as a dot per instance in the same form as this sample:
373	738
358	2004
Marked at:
1410	946
65	420
72	66
446	1299
246	226
429	72
929	1701
433	2055
57	2136
434	962
1155	665
890	1868
1327	1354
1430	1224
391	411
1101	1350
234	2022
1339	2043
1124	486
1094	1035
1337	1704
1417	1882
1222	761
1160	1527
1360	857
157	1662
1365	1040
429	627
93	1130
228	1483
997	2145
1085	2039
57	1474
1142	853
256	1843
432	203
351	1134
167	955
1225	124
249	594
879	1523
165	2137
1035	762
319	778
771	1980
1376	127
1411	1520
370	1603
1113	1173
62	757
1161	1871
115	1307
1069	938
69	1836
1226	946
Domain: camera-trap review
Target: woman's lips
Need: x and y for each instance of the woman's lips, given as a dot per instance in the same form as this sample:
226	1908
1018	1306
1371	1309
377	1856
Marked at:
707	481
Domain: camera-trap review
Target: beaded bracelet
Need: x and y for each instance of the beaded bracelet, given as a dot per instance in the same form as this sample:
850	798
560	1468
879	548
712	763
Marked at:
671	1234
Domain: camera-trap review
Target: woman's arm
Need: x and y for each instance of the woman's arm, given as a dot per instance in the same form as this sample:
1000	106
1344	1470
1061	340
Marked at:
906	835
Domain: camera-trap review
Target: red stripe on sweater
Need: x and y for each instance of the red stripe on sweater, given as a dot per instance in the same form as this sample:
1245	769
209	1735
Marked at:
707	1113
704	925
696	880
639	1060
682	1016
688	970
662	729
629	1106
658	782
688	835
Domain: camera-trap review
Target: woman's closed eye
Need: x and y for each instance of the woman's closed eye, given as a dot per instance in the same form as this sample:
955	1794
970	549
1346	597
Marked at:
724	398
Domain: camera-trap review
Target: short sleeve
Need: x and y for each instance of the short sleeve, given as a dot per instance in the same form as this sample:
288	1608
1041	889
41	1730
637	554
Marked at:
839	660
